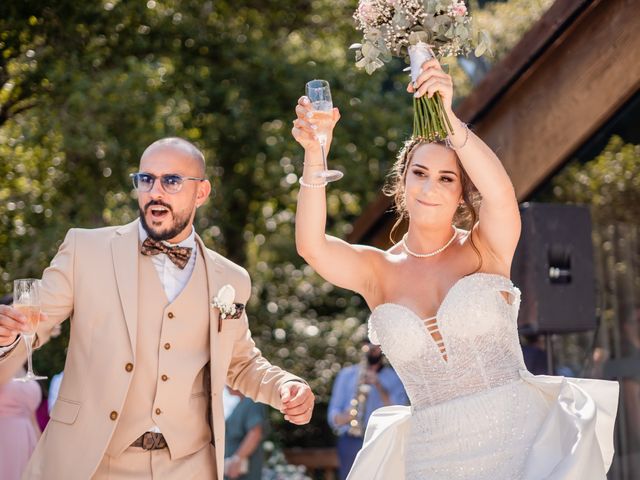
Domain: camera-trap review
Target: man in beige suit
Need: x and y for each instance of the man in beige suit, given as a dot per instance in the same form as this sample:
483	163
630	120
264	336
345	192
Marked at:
152	342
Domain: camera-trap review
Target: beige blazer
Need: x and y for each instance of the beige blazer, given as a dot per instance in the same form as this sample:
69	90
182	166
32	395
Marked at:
93	281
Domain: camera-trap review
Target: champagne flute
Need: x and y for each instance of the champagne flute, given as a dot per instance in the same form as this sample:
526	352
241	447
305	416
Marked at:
319	95
26	299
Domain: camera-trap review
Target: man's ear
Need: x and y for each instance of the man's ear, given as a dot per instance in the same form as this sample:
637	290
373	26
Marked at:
204	190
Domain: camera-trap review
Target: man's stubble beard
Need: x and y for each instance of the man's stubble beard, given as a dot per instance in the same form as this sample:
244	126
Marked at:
179	224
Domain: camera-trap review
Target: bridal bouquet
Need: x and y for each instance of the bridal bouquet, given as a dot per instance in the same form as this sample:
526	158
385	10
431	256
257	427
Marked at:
421	29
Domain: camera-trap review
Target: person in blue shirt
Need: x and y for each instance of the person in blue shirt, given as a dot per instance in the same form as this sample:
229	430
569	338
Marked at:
245	425
357	391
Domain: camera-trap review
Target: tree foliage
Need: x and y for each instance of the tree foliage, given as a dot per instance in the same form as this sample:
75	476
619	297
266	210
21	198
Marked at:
609	184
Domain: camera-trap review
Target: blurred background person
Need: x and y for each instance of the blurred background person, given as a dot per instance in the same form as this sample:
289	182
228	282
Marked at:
245	425
535	354
357	391
19	430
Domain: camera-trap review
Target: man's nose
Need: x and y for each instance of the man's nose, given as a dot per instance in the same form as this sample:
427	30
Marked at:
156	189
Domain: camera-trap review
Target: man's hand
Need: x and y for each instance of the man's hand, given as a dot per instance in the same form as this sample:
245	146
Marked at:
12	324
371	378
341	419
297	402
233	467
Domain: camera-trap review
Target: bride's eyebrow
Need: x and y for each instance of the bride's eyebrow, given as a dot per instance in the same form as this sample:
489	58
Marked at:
441	171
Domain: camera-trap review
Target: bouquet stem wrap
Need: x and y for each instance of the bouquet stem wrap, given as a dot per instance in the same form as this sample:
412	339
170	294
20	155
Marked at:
429	118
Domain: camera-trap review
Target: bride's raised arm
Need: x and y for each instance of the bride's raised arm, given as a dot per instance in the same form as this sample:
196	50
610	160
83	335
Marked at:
498	228
345	265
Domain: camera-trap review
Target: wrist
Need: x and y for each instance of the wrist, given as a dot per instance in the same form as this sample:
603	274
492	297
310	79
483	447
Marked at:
453	118
313	150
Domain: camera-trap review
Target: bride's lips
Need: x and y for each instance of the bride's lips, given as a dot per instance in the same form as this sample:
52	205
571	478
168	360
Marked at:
428	204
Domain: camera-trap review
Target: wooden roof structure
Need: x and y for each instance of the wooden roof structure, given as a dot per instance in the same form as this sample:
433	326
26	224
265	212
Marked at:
565	78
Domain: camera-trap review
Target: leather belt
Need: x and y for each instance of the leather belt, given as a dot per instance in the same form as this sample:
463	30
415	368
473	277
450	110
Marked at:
150	441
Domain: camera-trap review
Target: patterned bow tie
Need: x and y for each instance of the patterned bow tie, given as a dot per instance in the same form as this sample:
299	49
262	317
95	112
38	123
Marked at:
178	255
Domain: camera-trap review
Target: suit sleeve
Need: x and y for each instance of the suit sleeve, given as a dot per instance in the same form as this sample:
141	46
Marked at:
56	296
251	373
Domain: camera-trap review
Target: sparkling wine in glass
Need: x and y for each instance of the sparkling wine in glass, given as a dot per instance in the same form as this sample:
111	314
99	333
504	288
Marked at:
26	299
319	94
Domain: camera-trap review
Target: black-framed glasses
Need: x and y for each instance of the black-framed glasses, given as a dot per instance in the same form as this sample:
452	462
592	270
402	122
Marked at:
171	183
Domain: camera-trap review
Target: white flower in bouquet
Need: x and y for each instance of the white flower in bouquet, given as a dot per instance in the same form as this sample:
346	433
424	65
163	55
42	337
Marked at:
419	29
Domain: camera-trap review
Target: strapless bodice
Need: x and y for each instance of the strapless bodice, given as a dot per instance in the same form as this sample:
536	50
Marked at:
479	330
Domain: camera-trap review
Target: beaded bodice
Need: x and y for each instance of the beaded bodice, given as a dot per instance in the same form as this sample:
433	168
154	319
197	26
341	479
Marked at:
479	347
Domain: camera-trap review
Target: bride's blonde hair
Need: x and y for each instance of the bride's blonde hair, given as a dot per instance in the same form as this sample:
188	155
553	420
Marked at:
467	214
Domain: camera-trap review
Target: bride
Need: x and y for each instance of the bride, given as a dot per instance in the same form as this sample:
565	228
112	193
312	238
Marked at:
444	311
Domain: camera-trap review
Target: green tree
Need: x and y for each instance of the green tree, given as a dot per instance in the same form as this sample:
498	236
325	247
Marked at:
609	184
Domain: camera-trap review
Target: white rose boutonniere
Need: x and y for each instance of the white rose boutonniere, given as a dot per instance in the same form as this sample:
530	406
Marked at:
223	301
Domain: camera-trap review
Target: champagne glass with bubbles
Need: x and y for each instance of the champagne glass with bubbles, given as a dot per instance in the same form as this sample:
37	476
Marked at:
26	299
319	94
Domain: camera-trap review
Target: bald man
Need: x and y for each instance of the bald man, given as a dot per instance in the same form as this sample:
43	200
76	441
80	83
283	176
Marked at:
154	339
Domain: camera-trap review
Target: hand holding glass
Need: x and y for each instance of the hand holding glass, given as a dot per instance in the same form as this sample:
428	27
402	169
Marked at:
26	299
319	94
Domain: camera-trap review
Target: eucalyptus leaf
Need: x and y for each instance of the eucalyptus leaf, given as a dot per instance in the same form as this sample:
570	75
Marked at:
429	22
462	32
362	63
370	68
441	6
451	32
486	39
401	20
442	20
480	49
418	36
373	34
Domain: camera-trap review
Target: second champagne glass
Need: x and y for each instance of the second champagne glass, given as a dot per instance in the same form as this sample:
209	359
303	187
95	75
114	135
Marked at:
319	95
26	299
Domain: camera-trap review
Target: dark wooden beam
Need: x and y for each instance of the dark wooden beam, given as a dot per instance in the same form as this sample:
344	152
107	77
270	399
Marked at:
532	44
573	88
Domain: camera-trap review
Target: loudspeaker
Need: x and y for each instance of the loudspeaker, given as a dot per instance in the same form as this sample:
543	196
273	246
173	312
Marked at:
553	267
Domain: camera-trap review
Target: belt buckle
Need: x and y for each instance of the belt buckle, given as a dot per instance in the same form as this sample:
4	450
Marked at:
150	441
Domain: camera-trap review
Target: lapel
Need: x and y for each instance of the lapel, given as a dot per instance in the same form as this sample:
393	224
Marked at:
124	250
215	270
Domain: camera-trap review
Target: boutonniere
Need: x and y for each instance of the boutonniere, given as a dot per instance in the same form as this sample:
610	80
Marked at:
223	301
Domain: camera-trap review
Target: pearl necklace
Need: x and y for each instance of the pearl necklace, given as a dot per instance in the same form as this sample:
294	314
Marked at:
430	254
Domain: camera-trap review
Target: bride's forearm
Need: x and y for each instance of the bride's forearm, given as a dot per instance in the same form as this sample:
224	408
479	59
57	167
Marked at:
311	212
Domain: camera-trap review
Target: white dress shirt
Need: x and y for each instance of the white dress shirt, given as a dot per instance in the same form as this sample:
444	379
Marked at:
172	278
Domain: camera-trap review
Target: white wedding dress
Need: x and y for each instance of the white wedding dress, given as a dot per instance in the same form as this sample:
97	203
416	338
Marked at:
476	412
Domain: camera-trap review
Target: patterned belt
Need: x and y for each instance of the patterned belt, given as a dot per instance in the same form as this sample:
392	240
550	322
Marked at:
150	441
